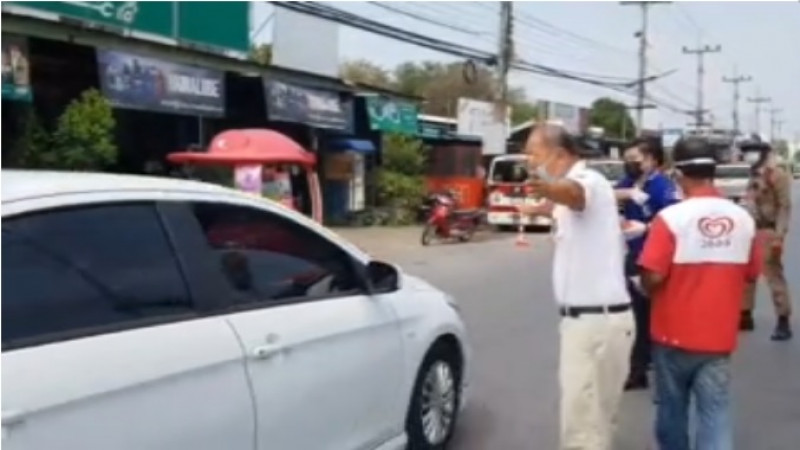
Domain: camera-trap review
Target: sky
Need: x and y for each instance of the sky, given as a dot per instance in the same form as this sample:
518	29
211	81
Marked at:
758	38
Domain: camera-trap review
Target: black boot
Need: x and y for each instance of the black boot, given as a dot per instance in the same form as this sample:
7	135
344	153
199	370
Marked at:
637	380
746	322
783	331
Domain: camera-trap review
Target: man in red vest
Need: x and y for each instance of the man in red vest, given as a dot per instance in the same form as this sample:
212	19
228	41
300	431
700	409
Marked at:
699	256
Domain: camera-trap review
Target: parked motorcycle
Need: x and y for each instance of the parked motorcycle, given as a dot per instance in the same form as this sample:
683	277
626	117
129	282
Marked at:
445	222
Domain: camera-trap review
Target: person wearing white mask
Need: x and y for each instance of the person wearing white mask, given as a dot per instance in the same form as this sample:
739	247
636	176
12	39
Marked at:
597	326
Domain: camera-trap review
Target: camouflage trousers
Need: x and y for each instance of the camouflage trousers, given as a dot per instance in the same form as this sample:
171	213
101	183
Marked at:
773	274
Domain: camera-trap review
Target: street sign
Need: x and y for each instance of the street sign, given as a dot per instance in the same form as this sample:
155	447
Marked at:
221	25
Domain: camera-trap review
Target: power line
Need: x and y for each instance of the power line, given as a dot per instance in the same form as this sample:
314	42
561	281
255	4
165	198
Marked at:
736	80
701	71
642	35
422	18
757	101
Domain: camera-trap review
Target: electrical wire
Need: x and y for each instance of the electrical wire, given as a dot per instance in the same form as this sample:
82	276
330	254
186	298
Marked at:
422	18
359	22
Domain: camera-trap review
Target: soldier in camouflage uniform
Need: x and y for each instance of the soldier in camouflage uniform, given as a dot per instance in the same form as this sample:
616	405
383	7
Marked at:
769	201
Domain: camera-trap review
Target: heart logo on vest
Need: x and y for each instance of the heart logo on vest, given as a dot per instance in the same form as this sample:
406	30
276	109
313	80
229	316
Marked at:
715	227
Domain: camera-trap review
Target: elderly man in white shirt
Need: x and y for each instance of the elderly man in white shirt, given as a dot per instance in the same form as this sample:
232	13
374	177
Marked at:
597	326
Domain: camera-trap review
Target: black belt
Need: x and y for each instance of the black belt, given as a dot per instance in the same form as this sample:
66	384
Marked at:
576	311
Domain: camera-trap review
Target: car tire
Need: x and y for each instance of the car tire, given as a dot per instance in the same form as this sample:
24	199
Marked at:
436	397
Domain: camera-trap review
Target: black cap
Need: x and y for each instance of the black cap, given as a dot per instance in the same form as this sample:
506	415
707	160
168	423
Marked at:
693	151
754	143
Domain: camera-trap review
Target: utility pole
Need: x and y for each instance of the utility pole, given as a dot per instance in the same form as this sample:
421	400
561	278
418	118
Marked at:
773	122
758	100
701	71
736	80
505	53
642	35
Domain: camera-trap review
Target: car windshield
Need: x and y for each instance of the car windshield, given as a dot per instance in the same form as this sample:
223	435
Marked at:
738	171
509	171
612	170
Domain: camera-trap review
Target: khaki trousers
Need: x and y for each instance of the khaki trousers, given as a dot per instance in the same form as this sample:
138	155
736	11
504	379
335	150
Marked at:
773	274
594	363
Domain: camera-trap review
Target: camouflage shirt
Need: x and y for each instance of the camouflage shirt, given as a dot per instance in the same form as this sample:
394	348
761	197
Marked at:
769	193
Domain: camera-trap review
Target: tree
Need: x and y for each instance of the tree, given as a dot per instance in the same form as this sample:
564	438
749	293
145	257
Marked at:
261	54
400	179
613	117
363	71
522	110
83	139
782	148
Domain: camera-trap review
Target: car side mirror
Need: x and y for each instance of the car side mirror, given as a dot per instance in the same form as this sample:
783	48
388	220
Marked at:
382	277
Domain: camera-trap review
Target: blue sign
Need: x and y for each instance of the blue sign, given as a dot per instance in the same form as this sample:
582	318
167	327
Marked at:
138	82
314	107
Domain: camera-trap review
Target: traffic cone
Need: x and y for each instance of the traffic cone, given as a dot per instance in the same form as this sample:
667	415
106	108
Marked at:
522	239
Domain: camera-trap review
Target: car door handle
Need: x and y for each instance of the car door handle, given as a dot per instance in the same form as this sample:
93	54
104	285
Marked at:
11	418
266	351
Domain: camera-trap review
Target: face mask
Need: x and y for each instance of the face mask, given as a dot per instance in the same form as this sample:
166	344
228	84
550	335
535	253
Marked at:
633	169
752	157
541	172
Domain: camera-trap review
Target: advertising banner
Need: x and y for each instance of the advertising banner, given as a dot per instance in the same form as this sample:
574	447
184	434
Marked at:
137	82
16	69
478	118
195	24
315	107
392	116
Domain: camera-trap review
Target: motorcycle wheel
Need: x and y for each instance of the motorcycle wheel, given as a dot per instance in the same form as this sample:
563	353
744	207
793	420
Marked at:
428	233
466	235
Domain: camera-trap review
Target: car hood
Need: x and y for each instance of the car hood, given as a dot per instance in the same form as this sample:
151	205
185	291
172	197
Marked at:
416	284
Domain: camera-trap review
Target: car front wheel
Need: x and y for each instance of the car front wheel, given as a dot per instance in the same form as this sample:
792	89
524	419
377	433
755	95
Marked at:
435	401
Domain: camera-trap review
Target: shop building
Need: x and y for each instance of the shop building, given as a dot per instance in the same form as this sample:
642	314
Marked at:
176	78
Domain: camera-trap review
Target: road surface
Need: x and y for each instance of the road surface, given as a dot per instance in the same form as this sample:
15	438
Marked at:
507	303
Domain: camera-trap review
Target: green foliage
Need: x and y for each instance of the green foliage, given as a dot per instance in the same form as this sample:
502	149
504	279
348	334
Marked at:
403	154
34	145
401	184
84	136
613	117
83	139
440	84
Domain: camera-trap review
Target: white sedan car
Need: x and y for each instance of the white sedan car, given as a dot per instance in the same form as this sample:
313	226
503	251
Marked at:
152	313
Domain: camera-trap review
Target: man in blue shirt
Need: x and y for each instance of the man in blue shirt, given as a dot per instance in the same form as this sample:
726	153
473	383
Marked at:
643	192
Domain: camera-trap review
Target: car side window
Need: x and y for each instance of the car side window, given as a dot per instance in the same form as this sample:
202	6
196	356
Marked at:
268	258
67	272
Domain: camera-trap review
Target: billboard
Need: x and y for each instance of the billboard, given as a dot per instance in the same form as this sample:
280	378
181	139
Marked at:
478	118
138	82
574	118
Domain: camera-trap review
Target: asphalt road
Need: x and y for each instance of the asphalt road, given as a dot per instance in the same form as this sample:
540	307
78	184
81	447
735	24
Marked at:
507	303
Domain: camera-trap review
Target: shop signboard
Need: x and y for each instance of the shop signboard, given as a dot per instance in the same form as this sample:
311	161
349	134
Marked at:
478	118
392	116
195	23
138	82
314	107
16	69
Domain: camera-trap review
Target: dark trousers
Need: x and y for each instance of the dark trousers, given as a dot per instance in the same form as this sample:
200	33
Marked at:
640	355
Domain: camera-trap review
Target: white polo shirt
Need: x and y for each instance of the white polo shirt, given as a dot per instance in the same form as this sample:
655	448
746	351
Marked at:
589	260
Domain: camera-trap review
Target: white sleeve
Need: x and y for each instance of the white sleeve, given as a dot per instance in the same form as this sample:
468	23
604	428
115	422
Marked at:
587	181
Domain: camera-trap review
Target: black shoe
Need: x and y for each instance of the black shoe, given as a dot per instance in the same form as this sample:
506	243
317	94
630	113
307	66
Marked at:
746	322
783	332
637	381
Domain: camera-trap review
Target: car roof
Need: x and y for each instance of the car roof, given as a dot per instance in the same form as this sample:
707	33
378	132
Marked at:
25	184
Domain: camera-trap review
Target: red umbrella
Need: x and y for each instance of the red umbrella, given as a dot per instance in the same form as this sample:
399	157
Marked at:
253	146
